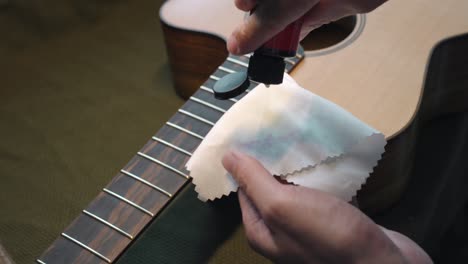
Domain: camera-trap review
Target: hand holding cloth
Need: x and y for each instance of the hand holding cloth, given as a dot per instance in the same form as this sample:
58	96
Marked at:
295	134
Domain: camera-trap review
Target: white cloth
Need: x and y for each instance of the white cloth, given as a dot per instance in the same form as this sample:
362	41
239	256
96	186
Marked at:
295	134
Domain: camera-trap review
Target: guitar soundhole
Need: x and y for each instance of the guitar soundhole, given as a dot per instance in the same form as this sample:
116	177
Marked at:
330	34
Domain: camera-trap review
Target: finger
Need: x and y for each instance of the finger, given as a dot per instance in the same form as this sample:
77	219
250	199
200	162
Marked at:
250	215
245	37
269	18
410	250
306	30
323	13
245	5
257	233
257	183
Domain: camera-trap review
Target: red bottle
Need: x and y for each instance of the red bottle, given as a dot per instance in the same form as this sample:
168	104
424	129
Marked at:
267	63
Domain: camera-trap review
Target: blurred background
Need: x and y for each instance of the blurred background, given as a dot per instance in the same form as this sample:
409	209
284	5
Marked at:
83	85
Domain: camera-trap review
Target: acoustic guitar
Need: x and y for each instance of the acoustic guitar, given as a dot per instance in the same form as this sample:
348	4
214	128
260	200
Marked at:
376	71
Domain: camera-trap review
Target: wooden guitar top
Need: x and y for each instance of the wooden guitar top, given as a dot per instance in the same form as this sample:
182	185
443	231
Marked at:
377	73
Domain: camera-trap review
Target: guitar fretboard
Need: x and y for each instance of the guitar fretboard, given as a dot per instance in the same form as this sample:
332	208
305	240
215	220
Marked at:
142	189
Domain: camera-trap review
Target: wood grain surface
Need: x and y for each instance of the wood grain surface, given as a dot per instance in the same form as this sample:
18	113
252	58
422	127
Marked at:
192	59
378	77
390	110
114	221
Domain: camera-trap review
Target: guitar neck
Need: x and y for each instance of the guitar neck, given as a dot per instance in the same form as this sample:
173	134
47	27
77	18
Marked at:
142	189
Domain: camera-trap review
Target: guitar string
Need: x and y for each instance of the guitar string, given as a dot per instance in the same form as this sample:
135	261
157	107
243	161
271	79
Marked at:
184	130
197	117
238	62
200	101
298	56
169	167
216	78
171	145
214	107
224	69
206	89
79	243
157	188
146	211
288	60
114	227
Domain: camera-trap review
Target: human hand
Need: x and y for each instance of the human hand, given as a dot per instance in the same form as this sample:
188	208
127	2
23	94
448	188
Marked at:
271	16
293	224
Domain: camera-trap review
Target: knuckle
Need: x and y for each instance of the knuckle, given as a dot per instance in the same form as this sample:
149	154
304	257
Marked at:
240	4
254	244
356	234
269	21
254	240
276	209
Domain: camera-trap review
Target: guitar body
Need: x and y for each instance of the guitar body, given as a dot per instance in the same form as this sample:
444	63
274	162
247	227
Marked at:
189	231
149	212
376	72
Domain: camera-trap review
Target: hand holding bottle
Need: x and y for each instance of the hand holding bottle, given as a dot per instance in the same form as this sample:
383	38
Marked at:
272	16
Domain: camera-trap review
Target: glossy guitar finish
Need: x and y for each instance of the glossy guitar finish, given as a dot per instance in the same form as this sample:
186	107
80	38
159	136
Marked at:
377	73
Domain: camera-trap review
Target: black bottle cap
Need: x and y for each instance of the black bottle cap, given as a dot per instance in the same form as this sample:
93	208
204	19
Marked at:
231	85
266	69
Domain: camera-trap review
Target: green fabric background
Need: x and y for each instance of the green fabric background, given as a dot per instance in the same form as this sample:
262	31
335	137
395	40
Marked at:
190	231
76	103
84	84
82	87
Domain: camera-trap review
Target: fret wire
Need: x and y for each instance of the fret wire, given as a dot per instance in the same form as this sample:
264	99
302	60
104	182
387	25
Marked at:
171	146
184	130
101	256
163	164
204	88
97	218
290	61
226	69
159	189
216	78
238	62
87	248
128	202
212	106
199	118
298	56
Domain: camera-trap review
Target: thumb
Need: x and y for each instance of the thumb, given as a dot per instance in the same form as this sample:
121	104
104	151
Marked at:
268	19
256	182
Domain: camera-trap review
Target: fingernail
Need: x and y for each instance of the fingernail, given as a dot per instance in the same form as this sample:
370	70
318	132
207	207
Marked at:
238	50
230	160
233	46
